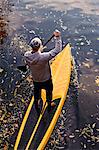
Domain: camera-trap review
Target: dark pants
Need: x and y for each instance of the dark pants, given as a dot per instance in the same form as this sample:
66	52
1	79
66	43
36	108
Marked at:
48	86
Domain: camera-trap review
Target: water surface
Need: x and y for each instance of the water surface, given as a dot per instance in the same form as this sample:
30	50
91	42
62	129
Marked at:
78	21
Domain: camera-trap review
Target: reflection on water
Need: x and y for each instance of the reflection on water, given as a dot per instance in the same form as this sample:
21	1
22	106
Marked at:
89	7
4	9
3	30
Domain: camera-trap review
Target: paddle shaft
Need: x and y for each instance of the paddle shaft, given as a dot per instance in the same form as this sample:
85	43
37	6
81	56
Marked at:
49	40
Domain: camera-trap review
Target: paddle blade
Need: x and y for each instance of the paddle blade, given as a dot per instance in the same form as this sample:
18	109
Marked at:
22	68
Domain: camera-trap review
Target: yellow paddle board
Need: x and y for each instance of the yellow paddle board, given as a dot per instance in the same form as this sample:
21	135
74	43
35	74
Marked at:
61	71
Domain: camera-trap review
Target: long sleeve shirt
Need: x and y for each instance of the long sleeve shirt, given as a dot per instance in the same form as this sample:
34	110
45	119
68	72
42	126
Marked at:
39	62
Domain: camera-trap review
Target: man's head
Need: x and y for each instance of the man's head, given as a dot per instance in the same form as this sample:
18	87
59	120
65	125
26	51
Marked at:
36	43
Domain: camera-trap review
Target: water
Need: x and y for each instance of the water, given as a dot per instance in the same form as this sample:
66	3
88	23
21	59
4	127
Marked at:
78	21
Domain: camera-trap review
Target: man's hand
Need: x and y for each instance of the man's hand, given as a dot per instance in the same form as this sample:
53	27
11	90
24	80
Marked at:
57	33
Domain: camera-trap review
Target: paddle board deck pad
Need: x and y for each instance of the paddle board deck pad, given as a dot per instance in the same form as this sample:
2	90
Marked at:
35	131
29	126
43	126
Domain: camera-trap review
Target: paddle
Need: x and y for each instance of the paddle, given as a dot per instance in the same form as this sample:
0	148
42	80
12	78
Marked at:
48	40
24	68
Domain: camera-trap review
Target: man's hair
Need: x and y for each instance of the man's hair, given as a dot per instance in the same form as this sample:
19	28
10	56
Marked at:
35	43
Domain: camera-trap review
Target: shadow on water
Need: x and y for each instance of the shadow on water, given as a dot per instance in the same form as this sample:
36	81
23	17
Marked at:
74	93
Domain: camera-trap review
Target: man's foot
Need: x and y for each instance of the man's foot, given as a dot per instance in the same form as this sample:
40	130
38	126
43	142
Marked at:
51	106
40	104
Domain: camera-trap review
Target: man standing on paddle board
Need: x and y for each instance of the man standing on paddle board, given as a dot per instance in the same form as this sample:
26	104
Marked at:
38	63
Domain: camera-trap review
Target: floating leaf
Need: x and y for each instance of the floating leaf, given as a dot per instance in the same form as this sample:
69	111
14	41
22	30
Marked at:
97	81
32	31
82	43
15	92
85	146
71	136
1	119
88	141
23	100
10	104
86	65
77	131
63	111
85	136
97	118
93	138
64	27
1	70
97	141
93	126
29	79
98	39
88	42
5	147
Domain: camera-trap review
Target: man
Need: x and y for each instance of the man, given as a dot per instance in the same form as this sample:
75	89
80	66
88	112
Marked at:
38	63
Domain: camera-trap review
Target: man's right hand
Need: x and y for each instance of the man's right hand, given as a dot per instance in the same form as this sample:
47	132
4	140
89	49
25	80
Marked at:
57	33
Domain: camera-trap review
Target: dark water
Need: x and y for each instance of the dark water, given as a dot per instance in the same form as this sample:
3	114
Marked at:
78	21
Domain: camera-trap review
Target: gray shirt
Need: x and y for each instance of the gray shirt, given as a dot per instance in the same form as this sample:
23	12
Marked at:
39	62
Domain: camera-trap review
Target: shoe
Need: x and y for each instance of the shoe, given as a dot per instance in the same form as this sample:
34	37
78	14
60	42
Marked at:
40	104
53	104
